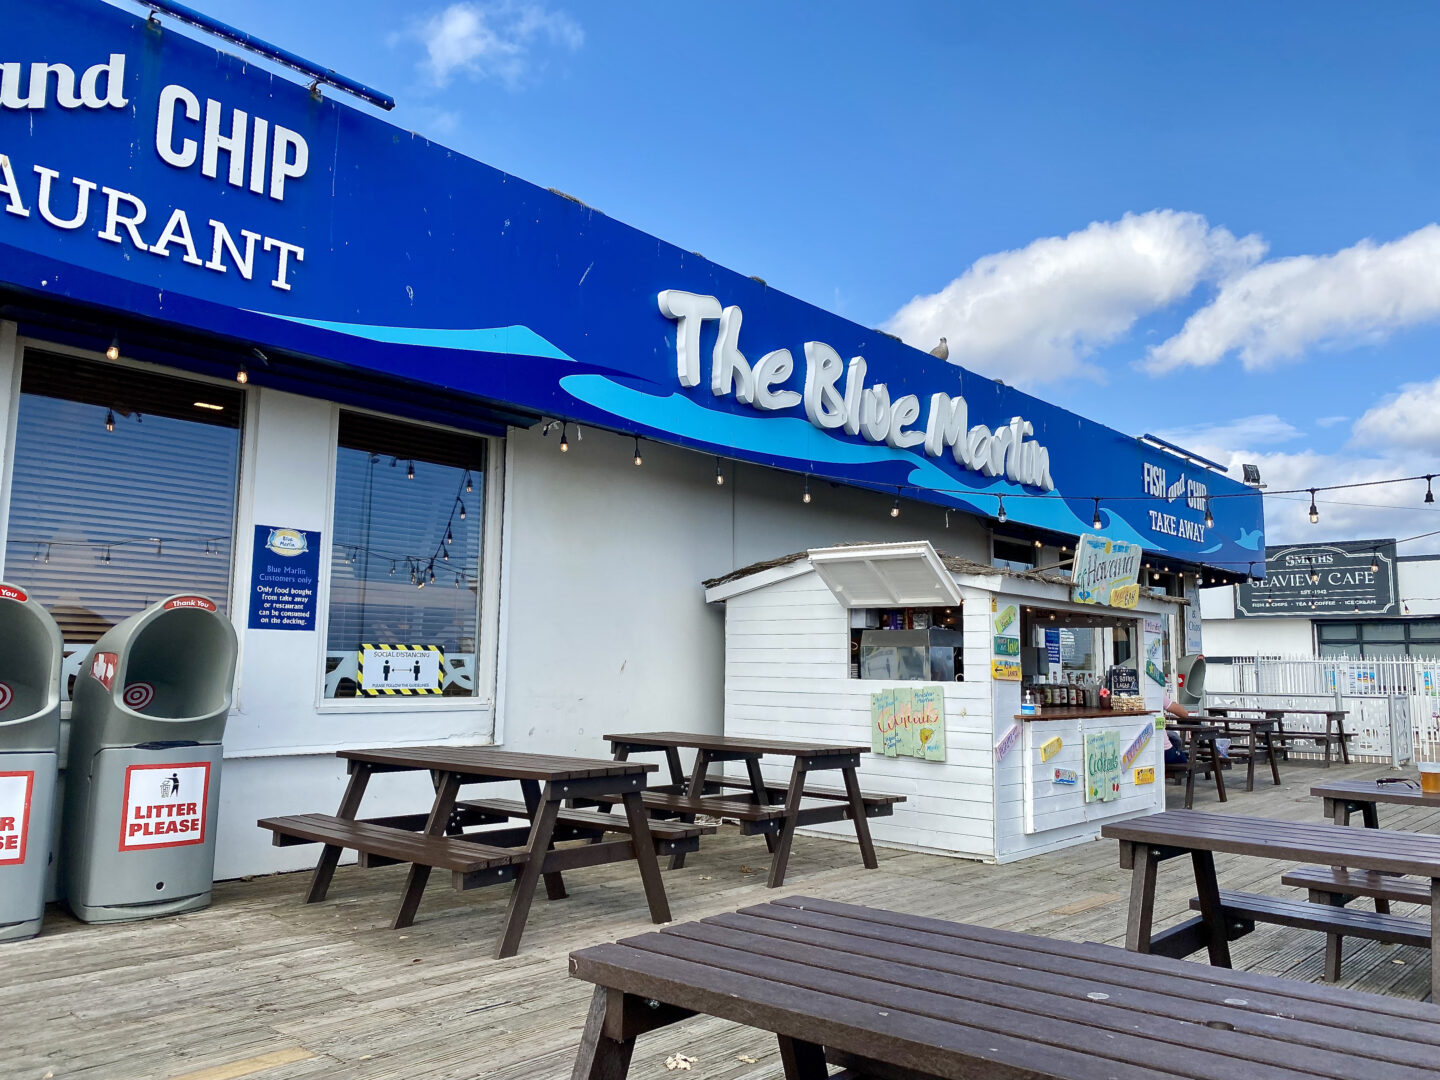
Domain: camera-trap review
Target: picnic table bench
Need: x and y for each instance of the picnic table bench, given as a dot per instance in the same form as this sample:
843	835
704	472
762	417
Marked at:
1258	741
1333	736
770	810
905	997
1202	755
1147	841
1342	800
523	854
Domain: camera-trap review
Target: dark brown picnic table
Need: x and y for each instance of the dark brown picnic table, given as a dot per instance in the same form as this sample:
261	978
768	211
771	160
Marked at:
522	854
1334	733
905	997
773	811
1145	842
1259	733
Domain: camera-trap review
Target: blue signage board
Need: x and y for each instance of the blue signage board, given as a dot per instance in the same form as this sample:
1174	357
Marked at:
284	578
150	174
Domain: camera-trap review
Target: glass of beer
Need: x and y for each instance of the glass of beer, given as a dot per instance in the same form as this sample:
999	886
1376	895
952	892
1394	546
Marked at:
1430	777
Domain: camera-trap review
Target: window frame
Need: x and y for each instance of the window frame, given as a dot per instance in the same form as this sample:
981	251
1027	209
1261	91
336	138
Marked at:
488	595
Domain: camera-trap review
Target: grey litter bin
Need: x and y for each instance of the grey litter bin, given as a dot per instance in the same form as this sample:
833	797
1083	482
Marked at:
142	782
30	652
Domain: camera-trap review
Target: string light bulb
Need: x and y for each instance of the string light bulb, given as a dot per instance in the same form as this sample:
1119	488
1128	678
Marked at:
392	567
445	553
449	536
106	558
1429	493
1039	543
242	376
1000	515
462	511
805	498
109	420
719	473
638	459
895	507
432	571
1209	517
1095	521
1374	563
410	470
1314	513
469	484
564	442
113	352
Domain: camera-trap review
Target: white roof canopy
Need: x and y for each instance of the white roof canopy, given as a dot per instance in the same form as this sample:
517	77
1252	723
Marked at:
886	575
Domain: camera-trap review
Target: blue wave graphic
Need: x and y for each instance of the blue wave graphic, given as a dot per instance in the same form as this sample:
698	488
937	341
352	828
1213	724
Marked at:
802	441
514	340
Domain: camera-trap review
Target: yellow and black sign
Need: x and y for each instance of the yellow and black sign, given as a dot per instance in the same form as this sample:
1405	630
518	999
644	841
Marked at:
400	670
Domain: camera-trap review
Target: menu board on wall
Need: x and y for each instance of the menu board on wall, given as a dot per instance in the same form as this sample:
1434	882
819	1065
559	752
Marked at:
908	722
1102	766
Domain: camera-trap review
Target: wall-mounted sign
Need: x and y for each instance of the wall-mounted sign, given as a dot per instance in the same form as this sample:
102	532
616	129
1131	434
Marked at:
173	181
1007	743
1050	747
908	721
1052	647
1134	749
1124	682
284	575
1102	766
1155	658
1067	777
400	670
1005	638
1145	775
1106	572
1324	580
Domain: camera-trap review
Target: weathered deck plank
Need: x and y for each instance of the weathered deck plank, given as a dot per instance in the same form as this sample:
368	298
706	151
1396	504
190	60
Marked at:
261	972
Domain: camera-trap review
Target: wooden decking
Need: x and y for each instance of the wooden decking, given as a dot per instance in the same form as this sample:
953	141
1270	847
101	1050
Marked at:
262	985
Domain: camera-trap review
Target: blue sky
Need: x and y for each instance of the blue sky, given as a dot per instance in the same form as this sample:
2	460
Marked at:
1211	221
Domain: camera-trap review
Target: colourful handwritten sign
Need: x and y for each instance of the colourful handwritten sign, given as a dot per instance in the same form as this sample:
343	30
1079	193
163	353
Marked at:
1007	743
1102	766
1134	750
1067	777
1050	747
1145	775
1005	642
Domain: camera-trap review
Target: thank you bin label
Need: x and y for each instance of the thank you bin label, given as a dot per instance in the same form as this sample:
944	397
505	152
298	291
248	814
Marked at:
16	789
164	805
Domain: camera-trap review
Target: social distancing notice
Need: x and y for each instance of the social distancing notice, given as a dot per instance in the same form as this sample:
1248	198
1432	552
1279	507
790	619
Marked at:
164	805
400	670
16	789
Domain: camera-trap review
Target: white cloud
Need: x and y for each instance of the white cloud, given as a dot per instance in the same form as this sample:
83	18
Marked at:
1263	429
1282	307
1410	418
1330	421
1033	314
492	40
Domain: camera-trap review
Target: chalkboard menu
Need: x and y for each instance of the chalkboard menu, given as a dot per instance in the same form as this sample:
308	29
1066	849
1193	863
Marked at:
1323	580
1125	681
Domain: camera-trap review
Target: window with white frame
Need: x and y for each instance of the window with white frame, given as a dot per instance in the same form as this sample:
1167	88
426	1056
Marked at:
122	490
406	561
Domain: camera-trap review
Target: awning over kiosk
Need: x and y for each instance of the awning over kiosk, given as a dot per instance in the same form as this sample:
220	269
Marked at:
886	575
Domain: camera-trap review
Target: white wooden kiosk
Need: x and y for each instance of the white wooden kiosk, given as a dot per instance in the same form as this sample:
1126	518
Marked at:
793	633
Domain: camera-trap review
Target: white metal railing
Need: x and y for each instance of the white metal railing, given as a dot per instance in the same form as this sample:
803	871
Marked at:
1392	702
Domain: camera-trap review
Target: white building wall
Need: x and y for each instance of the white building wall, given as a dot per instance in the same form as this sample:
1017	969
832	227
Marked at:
1418	583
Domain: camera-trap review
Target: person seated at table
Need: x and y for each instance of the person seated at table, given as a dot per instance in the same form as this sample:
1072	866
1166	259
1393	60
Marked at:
1174	746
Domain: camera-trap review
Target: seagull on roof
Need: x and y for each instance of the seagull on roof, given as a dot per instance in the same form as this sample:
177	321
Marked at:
942	350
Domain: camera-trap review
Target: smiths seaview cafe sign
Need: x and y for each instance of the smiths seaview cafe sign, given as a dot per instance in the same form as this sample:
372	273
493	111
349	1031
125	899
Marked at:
1347	578
144	172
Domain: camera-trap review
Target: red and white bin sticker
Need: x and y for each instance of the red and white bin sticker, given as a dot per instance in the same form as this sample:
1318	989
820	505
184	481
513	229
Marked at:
16	788
164	805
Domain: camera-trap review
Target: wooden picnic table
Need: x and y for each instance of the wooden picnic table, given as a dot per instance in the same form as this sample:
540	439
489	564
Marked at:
768	809
905	997
522	854
1201	755
1260	735
1333	735
1145	842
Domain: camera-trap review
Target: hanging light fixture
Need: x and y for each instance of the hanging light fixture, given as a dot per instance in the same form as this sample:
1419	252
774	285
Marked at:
449	536
719	473
1429	493
805	498
564	441
445	552
638	459
1039	543
242	376
410	470
432	571
47	553
1374	562
1314	573
895	507
1314	513
469	484
1209	517
113	352
109	420
106	558
1095	521
392	567
462	511
412	573
1000	515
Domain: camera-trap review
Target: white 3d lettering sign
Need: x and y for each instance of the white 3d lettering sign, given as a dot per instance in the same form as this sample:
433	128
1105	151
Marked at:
259	156
835	397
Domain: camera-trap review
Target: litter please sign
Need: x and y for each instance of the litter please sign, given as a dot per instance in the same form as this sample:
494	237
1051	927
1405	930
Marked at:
16	789
164	805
